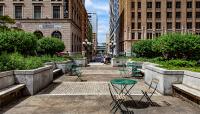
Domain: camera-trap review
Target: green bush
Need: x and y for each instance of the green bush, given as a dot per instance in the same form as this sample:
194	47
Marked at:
178	46
144	49
181	63
49	58
18	41
16	61
50	45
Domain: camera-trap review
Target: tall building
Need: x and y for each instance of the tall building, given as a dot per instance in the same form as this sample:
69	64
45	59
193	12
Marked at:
64	19
94	21
114	25
147	19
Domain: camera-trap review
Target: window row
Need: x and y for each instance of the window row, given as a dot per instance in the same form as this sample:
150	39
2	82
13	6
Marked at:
169	25
169	15
37	12
169	4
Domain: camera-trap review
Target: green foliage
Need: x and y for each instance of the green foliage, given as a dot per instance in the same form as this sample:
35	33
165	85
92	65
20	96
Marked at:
49	58
6	20
144	49
50	45
16	41
16	61
178	46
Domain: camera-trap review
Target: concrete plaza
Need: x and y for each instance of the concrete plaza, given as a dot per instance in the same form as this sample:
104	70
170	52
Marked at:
65	96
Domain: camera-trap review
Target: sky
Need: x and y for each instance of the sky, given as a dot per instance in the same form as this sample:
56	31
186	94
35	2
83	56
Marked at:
101	7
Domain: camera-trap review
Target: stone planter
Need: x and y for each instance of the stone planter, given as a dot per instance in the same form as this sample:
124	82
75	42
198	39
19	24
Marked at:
192	79
63	65
6	79
81	62
166	77
36	79
115	62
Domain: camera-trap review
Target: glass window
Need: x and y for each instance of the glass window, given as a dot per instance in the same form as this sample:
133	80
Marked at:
139	15
37	12
1	10
189	14
133	35
149	14
197	25
169	14
139	5
133	26
189	4
158	25
149	35
139	35
178	25
197	14
197	4
149	4
178	14
169	4
169	25
139	25
133	14
149	25
18	12
132	5
178	4
158	15
189	25
158	4
56	12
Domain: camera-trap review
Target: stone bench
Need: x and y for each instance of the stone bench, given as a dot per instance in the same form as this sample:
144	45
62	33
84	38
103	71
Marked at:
9	90
186	92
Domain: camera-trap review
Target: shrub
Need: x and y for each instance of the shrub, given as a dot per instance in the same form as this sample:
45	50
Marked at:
48	58
18	41
176	45
16	61
144	49
181	63
50	45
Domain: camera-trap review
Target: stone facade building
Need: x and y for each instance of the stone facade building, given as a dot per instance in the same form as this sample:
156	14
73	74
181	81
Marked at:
147	19
64	19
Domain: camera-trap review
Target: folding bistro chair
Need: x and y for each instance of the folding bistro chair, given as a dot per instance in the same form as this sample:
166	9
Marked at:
117	103
149	92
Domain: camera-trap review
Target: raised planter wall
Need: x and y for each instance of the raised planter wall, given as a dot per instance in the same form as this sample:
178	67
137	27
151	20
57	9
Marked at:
166	78
63	66
81	62
115	62
6	79
192	79
35	80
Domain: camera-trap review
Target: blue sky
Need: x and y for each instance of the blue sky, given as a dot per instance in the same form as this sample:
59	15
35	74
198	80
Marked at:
101	7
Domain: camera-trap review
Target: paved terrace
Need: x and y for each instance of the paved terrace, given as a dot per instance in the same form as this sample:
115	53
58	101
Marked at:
65	96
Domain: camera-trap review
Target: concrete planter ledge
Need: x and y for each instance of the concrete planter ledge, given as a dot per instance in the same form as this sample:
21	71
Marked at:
192	79
157	69
34	71
6	73
166	77
35	80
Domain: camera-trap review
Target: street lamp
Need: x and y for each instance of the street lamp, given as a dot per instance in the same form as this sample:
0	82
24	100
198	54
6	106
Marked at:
86	44
112	46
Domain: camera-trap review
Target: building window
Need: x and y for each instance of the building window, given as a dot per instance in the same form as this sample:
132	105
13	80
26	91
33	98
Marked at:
189	14
158	4
139	35
133	15
178	4
197	25
158	15
56	12
149	14
1	10
149	25
139	15
189	4
133	26
178	25
18	12
169	14
197	14
178	15
38	34
132	5
149	4
189	25
158	25
139	5
149	35
169	4
56	34
169	25
139	25
37	12
158	34
133	36
198	4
